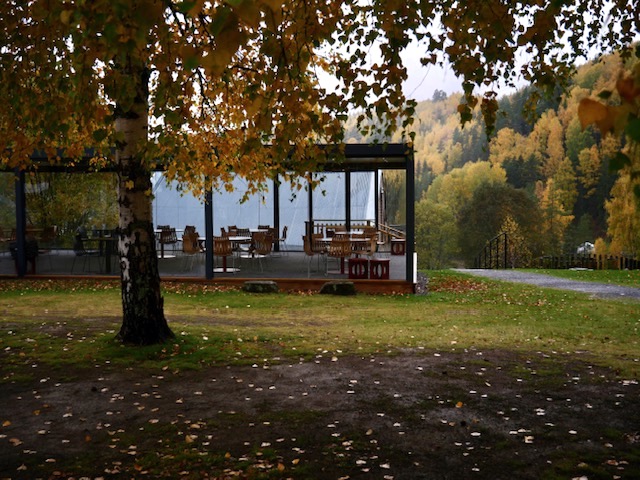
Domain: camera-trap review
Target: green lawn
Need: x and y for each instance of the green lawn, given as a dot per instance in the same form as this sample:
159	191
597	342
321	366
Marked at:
71	322
472	380
628	278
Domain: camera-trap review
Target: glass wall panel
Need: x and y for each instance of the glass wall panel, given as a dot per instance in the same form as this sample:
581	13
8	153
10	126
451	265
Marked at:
329	198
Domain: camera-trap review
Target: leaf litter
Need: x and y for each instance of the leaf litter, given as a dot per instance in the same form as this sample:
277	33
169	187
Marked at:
439	414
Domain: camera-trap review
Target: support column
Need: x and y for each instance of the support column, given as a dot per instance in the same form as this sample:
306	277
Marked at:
310	228
410	208
208	232
276	212
347	199
21	224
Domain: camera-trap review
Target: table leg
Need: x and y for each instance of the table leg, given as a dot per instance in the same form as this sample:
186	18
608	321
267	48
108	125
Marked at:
224	264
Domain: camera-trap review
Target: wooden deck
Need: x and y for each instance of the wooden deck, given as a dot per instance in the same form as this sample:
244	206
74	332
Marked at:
289	270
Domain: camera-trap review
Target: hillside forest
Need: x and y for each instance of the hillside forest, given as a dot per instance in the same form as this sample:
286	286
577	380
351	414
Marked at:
543	179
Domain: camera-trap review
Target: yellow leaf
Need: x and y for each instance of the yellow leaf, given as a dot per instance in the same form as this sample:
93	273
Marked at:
459	405
129	184
6	423
590	111
249	12
280	467
627	89
273	4
65	16
197	8
254	106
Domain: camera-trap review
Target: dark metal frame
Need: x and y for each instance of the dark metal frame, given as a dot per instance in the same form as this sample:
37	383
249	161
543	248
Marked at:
348	158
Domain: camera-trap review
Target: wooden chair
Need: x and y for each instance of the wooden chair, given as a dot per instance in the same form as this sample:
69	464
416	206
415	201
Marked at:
371	246
190	248
222	248
168	236
262	248
339	248
314	247
309	252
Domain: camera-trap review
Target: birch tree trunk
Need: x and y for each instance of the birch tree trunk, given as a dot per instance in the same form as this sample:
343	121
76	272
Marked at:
143	321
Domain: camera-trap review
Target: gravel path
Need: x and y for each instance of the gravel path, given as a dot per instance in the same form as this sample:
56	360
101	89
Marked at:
600	290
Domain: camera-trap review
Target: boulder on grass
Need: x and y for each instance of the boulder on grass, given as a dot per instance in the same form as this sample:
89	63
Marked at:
260	286
338	288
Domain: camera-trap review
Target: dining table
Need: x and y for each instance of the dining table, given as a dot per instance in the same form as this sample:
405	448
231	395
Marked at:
236	240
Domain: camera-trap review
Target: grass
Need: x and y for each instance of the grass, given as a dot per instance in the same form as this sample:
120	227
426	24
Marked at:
626	278
155	412
57	323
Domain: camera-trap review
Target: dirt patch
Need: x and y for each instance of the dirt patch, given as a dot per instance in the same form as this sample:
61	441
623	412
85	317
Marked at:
436	415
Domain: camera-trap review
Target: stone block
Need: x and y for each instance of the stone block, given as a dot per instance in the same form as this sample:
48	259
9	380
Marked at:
260	286
338	288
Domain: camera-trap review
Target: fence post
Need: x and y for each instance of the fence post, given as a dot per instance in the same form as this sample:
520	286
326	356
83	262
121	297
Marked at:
505	250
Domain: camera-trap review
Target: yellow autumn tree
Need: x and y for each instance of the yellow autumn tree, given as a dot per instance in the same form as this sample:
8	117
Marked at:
623	209
556	218
518	251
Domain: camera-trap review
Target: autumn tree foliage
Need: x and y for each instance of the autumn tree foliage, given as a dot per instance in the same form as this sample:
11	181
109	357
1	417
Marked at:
199	88
567	171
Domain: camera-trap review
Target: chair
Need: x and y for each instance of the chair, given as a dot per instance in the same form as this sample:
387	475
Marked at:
283	240
308	250
222	248
80	251
245	246
339	248
371	246
261	248
30	252
264	227
190	248
189	229
167	237
365	244
313	247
